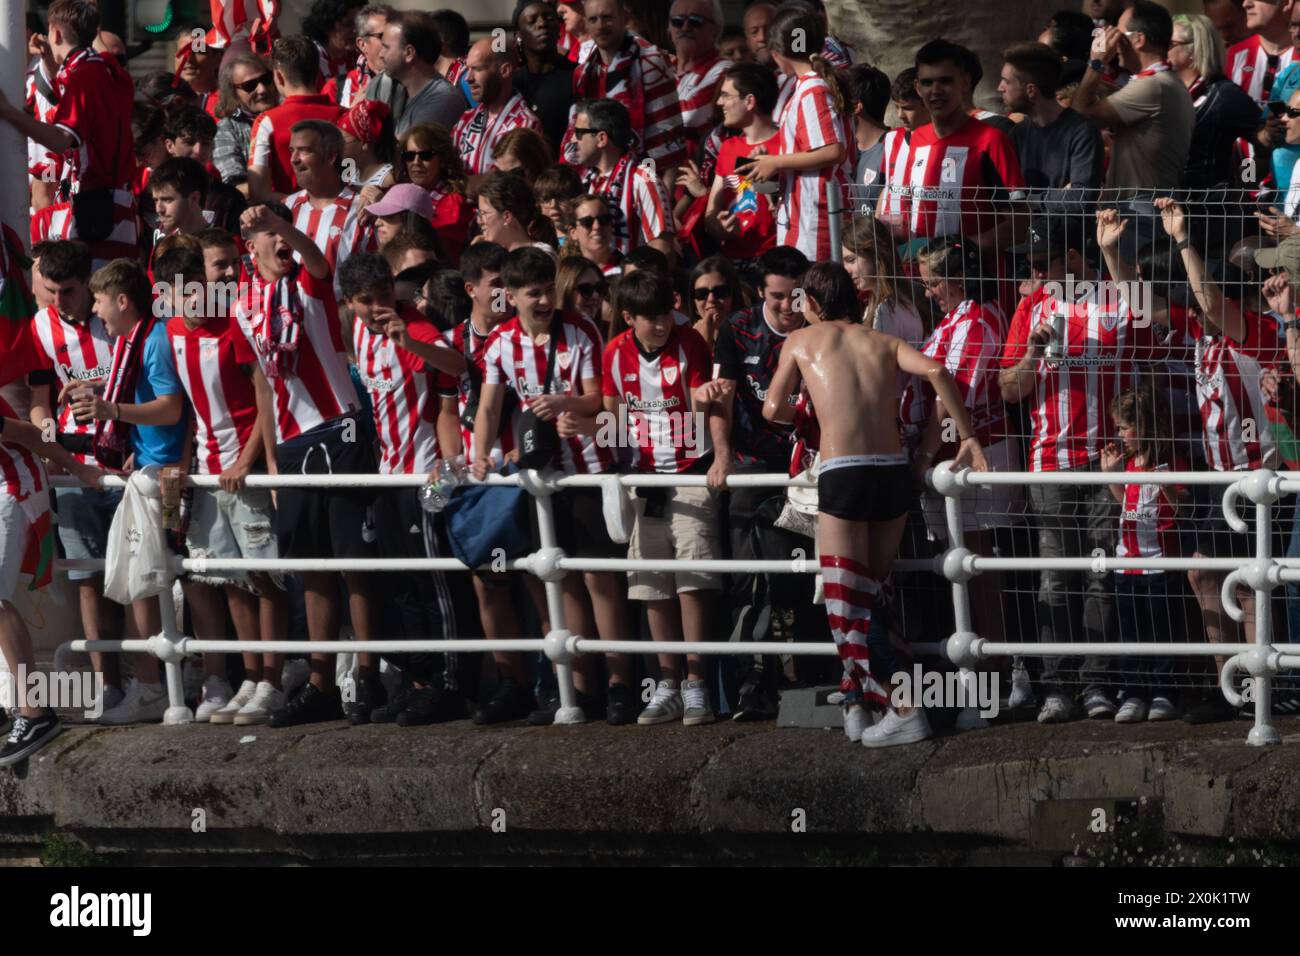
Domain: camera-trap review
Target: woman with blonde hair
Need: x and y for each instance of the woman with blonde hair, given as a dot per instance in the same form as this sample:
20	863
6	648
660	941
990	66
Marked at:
1225	112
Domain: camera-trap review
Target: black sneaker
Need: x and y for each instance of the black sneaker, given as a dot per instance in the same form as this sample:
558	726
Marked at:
310	705
509	701
29	734
1214	710
432	705
754	703
370	694
622	706
387	713
546	710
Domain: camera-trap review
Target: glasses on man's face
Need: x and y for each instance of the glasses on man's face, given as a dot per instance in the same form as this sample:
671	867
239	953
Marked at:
581	131
250	86
372	36
719	292
586	222
694	21
423	155
588	289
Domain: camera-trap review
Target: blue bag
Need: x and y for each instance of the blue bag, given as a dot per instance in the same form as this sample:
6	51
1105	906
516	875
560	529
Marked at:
483	518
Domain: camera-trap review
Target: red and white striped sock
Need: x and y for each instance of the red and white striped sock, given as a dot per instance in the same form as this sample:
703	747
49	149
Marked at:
851	596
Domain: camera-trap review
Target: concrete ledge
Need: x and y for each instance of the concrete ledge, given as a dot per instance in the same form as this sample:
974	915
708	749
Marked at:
333	791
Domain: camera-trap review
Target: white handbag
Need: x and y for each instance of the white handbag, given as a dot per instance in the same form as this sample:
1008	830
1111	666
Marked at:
136	561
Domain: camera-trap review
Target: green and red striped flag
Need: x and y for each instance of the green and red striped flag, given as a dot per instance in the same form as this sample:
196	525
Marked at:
38	558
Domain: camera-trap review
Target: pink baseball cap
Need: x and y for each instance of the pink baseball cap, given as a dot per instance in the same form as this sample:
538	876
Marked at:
404	197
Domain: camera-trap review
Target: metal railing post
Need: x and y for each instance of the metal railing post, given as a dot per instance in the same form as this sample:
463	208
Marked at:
961	647
1263	733
177	712
835	209
559	642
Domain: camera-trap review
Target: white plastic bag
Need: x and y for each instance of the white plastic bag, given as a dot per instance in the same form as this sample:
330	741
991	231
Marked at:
136	563
616	503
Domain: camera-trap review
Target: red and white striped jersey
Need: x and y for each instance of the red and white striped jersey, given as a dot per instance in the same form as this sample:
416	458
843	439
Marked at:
569	44
403	394
1070	416
514	359
466	390
353	86
241	19
42	162
21	472
969	343
1146	521
955	179
1249	67
697	92
638	200
476	133
895	173
1234	416
662	421
318	389
809	121
335	228
55	221
211	363
77	352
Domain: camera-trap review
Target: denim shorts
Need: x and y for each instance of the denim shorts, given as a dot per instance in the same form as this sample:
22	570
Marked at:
227	524
85	515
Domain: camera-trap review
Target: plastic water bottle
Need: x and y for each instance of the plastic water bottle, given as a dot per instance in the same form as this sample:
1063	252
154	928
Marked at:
448	475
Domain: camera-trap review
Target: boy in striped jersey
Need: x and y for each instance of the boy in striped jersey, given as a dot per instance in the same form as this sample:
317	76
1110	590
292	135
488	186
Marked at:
215	367
651	373
400	354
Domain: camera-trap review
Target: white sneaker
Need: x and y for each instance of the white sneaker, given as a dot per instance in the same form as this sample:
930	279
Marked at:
969	718
216	694
1162	708
664	706
1056	710
295	673
226	715
112	696
695	704
1022	688
894	729
1132	711
142	704
856	720
258	709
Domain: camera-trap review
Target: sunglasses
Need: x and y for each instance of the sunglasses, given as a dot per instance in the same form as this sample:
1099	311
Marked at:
580	131
424	155
372	36
694	20
586	289
717	291
250	86
1292	112
586	222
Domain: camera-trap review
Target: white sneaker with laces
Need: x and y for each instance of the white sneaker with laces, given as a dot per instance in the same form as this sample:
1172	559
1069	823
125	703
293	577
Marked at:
216	694
664	706
1132	711
856	720
1056	710
894	729
695	704
226	715
1162	708
264	700
142	704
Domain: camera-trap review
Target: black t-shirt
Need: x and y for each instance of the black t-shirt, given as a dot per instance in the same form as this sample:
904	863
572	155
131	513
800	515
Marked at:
1066	151
747	350
1224	113
549	95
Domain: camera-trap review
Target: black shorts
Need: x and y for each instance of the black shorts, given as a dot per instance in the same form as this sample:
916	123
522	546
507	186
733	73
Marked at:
866	487
326	522
579	524
1215	539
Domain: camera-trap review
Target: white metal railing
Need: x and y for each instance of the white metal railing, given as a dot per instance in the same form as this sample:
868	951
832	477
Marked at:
1263	573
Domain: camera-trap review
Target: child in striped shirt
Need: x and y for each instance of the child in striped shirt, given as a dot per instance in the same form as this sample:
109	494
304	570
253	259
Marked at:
1147	529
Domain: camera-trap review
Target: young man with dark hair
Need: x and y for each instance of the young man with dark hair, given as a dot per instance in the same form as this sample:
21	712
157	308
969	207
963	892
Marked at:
652	374
94	108
411	84
325	207
216	368
602	140
453	65
179	187
870	97
289	316
975	70
1152	115
747	350
143	417
738	215
190	132
402	361
221	259
1056	146
896	161
516	359
963	171
296	67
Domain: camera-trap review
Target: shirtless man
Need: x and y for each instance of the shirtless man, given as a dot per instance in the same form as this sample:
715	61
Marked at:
865	485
